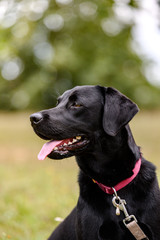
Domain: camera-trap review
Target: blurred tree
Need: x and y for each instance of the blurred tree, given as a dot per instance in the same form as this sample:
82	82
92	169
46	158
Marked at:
48	46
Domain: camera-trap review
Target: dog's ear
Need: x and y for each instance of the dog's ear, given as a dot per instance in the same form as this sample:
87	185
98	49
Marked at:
118	111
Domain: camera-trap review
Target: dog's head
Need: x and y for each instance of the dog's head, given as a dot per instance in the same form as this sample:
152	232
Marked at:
79	114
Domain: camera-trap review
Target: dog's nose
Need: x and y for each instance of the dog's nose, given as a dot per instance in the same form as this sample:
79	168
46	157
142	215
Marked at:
36	118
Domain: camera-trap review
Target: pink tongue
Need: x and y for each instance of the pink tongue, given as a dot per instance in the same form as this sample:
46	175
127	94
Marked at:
47	149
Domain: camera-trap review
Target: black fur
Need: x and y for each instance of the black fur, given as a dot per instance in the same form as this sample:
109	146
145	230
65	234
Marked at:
102	115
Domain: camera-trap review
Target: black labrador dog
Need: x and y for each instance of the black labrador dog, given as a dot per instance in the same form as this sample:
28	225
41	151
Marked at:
91	123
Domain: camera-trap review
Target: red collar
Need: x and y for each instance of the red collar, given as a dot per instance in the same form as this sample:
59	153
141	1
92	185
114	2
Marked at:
123	183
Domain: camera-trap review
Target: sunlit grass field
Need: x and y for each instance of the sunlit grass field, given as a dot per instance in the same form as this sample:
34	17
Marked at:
33	193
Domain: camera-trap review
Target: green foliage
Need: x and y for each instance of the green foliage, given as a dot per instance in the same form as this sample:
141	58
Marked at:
62	45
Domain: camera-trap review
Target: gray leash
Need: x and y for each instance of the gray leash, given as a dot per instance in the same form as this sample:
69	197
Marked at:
129	221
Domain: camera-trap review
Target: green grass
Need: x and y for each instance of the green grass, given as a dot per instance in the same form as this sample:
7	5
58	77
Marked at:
33	193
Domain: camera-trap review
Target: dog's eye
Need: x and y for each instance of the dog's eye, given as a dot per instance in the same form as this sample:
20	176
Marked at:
76	105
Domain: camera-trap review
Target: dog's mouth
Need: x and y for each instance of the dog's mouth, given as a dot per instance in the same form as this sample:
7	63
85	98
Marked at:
63	148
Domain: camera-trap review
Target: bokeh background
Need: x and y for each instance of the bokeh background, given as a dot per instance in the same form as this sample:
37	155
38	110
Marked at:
47	47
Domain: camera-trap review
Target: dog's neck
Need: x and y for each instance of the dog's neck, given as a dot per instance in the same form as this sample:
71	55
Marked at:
113	159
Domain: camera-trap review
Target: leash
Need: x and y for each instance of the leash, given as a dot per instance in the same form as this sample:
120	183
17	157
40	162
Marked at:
129	221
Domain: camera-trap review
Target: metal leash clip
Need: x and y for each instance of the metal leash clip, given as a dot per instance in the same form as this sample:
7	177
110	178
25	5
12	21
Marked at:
129	221
119	204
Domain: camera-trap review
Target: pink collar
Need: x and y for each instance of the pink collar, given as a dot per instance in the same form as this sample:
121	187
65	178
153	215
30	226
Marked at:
123	183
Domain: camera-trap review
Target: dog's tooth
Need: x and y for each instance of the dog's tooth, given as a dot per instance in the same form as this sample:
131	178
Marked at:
70	143
65	144
78	137
74	140
56	148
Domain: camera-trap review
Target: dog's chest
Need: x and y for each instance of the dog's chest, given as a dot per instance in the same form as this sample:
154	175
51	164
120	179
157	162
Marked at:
100	223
